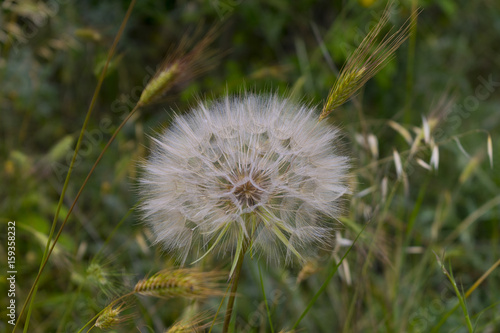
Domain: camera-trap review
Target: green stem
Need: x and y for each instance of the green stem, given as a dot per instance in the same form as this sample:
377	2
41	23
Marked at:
47	252
476	284
218	309
34	287
265	300
234	287
325	284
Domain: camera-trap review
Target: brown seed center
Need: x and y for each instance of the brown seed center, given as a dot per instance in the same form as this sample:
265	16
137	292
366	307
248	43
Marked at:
247	194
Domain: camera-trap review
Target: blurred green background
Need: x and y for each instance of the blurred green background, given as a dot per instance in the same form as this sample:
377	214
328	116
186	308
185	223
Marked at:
52	53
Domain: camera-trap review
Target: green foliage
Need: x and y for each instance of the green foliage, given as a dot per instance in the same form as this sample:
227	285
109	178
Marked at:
389	281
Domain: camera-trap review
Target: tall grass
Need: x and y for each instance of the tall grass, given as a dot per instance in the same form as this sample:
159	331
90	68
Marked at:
421	132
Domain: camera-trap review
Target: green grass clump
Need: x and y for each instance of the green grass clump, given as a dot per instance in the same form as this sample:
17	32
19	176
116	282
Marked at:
423	133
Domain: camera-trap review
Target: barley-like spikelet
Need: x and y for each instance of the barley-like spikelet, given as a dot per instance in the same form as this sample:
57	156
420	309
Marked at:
190	58
188	283
160	84
110	318
348	82
366	61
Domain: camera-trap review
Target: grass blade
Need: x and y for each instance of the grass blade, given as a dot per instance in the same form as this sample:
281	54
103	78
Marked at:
265	300
32	293
325	284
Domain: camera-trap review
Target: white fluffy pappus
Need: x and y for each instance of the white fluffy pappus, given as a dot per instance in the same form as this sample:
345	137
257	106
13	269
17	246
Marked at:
253	168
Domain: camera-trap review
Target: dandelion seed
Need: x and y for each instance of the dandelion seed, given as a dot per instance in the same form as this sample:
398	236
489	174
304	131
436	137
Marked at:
254	168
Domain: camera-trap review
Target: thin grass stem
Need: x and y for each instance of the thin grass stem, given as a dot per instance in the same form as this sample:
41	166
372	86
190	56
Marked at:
265	300
476	284
461	299
325	284
32	294
234	287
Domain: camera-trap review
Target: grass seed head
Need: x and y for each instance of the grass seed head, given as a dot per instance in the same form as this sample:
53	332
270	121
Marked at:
102	276
189	59
160	84
189	283
366	61
110	317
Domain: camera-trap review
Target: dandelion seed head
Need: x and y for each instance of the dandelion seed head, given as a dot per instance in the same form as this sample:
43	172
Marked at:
255	167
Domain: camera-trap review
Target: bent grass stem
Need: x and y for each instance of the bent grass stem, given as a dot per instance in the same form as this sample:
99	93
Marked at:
32	293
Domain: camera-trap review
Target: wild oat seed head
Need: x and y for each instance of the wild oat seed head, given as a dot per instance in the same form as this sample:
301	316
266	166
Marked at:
367	60
189	59
257	168
110	317
189	283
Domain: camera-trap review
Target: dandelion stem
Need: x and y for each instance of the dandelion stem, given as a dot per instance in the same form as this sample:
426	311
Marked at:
234	287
